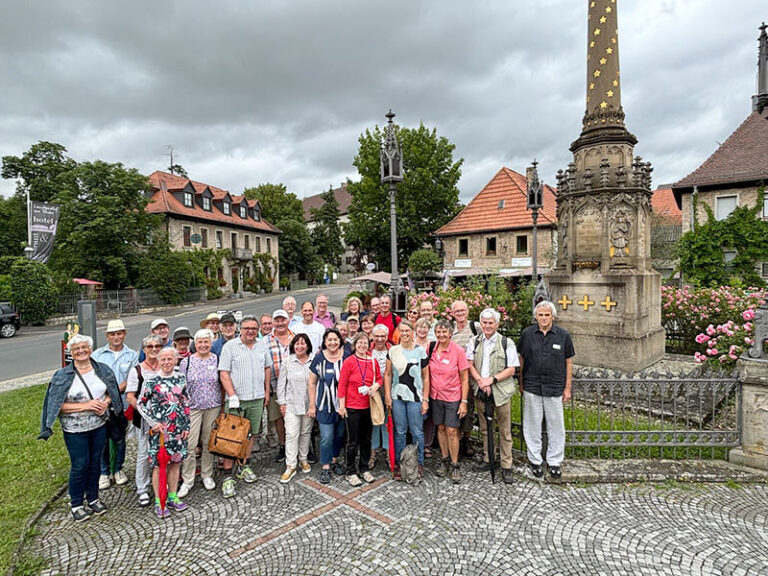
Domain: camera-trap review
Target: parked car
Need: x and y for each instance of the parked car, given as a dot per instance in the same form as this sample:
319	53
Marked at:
10	321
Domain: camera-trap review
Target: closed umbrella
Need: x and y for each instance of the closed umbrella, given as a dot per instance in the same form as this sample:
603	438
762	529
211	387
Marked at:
488	413
391	437
162	472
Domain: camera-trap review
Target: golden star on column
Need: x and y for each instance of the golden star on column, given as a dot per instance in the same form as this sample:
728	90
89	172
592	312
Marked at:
615	82
609	93
597	32
592	44
609	50
603	61
613	40
591	85
596	73
607	9
603	19
592	5
603	104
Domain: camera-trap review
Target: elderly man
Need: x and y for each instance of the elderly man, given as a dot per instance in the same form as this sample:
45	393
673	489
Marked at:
228	328
427	310
492	363
266	325
310	326
387	318
375	305
546	360
161	328
277	345
289	305
463	332
120	359
245	370
322	314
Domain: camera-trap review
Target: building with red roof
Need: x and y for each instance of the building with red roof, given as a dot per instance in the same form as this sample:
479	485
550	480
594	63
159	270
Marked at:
494	232
734	172
344	199
201	216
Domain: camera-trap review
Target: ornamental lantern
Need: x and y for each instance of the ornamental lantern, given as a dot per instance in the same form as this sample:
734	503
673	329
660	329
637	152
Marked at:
391	158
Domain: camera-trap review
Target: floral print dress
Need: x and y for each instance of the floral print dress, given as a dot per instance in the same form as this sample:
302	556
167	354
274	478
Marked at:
166	400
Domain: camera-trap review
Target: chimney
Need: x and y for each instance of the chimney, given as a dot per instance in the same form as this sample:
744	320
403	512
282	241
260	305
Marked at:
760	100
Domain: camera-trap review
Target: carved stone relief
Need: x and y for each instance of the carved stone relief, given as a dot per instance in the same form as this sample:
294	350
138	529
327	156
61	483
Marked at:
588	231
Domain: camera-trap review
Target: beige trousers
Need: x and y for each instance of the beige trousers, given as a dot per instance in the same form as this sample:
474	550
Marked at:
504	424
201	422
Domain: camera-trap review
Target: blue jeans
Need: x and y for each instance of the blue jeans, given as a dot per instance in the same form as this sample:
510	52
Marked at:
331	437
379	436
119	457
85	450
407	417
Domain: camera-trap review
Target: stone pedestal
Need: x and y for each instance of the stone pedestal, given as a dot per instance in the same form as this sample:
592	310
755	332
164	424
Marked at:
613	318
753	375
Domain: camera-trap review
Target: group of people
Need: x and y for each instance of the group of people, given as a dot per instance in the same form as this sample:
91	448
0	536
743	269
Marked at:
299	376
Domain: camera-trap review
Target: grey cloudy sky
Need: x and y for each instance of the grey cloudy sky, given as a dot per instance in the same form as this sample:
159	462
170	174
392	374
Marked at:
279	91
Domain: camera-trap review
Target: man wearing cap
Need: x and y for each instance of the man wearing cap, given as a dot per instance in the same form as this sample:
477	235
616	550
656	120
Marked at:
120	359
160	327
277	344
228	329
245	367
181	340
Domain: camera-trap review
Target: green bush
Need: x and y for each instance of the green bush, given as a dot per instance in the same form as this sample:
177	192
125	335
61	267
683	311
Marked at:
34	293
5	288
167	272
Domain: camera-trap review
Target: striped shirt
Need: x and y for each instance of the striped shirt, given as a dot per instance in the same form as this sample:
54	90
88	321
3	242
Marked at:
246	367
278	352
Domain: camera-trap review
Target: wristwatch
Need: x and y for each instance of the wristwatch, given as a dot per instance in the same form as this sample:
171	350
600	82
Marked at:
495	380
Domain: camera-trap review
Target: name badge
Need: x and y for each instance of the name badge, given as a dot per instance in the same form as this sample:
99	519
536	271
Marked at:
211	368
556	346
329	371
445	361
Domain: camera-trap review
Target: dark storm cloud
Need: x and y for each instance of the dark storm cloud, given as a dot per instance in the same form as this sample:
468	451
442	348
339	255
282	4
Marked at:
280	91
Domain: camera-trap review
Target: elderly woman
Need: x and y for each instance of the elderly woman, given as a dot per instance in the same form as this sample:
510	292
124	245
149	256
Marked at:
423	326
379	351
165	401
366	327
354	308
359	380
448	393
147	368
205	399
406	390
324	403
421	335
293	399
81	395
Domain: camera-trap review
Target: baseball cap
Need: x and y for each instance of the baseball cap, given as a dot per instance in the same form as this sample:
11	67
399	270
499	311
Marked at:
279	313
157	322
228	318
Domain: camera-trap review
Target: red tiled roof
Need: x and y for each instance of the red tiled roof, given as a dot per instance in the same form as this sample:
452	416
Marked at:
483	212
343	197
742	158
664	204
164	202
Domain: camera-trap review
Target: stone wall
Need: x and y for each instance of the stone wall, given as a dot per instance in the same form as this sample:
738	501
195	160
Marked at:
746	197
506	248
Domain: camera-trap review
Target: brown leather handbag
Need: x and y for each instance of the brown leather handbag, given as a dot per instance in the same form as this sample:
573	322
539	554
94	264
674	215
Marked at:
230	436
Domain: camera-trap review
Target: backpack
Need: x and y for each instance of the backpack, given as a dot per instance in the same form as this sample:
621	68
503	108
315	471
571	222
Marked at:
409	465
136	417
504	344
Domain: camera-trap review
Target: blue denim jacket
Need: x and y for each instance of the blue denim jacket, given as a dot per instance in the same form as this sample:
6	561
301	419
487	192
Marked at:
59	388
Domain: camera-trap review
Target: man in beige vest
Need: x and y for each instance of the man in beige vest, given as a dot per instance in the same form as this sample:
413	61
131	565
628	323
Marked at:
492	364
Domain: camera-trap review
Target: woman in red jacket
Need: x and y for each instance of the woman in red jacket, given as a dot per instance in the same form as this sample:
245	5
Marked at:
360	378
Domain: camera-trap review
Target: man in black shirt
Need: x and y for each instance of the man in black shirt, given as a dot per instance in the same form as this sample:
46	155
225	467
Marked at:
546	366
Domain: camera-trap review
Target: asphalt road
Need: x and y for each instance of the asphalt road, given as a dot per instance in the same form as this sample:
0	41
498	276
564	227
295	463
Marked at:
37	349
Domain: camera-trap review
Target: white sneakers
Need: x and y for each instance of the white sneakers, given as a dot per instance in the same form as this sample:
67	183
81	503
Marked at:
120	478
209	483
184	490
104	482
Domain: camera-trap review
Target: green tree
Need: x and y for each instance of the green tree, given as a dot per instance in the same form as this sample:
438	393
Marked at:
277	203
427	198
701	250
34	293
43	171
13	231
326	233
103	226
167	272
424	261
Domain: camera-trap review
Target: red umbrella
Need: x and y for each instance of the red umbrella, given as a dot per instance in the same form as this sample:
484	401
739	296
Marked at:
391	436
162	474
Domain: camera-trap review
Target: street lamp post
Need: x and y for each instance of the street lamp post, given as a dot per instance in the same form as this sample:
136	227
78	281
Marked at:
534	203
391	173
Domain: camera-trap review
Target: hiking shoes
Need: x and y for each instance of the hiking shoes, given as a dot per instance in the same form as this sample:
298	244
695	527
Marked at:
455	474
97	507
80	514
442	469
228	487
507	476
246	475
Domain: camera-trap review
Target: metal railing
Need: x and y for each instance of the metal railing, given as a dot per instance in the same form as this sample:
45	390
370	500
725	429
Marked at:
121	302
647	415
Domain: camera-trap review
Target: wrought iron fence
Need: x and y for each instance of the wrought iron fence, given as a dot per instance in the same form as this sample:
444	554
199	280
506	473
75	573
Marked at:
124	301
647	415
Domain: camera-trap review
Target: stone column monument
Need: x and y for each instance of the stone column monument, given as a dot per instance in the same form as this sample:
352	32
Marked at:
606	292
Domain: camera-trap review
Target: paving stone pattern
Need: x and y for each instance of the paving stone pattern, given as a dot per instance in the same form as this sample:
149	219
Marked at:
436	528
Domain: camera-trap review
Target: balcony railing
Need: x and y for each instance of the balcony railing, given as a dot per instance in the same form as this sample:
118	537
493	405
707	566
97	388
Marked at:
242	254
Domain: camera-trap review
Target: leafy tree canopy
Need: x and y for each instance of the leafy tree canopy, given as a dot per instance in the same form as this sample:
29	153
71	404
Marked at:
326	232
701	250
427	198
13	232
43	170
424	261
276	202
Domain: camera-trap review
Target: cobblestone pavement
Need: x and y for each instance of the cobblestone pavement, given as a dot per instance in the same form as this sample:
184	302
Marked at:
306	528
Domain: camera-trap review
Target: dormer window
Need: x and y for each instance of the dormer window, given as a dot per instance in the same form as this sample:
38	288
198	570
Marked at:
188	199
243	211
501	204
227	208
257	213
206	203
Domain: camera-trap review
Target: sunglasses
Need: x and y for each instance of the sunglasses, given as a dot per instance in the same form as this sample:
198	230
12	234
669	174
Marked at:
153	346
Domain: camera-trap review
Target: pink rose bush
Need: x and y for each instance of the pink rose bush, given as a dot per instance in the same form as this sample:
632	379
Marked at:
713	324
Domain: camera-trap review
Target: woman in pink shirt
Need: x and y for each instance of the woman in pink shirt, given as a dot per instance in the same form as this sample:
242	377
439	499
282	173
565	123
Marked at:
360	378
448	392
